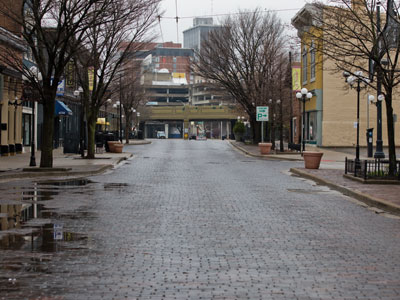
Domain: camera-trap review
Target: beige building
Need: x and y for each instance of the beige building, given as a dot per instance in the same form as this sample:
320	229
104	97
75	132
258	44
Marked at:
331	114
11	48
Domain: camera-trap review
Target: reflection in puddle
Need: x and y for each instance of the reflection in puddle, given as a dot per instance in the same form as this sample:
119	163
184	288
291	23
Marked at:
115	185
42	238
74	182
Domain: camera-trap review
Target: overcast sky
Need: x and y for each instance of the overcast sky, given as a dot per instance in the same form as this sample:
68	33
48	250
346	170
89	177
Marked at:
187	9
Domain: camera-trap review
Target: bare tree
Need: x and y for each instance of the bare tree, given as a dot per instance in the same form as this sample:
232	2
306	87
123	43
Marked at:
53	31
132	94
108	43
350	39
240	56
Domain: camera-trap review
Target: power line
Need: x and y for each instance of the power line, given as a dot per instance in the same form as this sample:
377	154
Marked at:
229	14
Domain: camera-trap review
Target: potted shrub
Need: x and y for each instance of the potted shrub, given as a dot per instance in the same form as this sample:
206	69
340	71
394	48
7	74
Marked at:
239	129
312	159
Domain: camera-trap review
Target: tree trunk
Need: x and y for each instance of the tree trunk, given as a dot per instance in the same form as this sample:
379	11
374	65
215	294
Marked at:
91	123
46	157
127	126
256	129
390	132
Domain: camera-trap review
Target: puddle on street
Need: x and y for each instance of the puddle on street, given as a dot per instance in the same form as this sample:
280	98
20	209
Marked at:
25	222
17	233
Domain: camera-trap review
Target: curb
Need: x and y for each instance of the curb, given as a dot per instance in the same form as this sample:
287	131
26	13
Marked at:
370	200
144	142
268	156
35	174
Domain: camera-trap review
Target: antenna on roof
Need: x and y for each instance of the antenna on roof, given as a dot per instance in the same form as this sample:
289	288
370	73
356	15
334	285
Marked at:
159	22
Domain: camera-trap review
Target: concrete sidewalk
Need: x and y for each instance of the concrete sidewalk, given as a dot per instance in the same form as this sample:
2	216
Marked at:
382	197
64	165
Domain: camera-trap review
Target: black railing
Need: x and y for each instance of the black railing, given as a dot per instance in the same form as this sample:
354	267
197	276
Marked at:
372	169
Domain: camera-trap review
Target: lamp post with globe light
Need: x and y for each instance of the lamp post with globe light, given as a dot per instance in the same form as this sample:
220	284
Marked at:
304	95
362	82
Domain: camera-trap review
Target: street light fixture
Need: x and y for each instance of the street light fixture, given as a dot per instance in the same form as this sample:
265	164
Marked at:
304	95
362	82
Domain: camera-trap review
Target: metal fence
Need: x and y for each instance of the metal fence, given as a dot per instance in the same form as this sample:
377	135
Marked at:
372	169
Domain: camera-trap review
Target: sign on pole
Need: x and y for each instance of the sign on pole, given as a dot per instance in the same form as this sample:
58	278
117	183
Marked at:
262	113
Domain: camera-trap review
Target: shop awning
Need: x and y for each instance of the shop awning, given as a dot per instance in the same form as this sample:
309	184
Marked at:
102	121
62	109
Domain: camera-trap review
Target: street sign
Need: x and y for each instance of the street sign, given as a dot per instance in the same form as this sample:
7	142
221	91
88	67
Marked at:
262	113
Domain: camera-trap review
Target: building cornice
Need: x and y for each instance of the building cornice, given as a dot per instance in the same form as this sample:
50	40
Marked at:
11	40
305	18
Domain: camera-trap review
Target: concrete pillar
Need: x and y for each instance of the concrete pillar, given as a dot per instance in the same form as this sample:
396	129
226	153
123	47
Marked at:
186	129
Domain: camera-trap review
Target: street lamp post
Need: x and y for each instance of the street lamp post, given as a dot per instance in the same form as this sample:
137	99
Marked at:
118	105
32	162
38	76
281	148
120	121
108	101
361	83
304	95
78	93
379	143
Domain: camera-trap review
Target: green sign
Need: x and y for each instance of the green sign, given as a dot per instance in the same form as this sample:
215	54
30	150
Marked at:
262	113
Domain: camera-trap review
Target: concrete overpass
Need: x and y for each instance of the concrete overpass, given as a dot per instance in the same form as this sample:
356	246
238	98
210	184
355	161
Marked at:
212	121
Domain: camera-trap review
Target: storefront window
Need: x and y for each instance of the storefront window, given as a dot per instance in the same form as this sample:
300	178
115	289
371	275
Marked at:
312	126
26	129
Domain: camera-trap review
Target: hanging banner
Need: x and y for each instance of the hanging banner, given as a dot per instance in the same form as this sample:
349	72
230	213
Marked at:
296	79
91	78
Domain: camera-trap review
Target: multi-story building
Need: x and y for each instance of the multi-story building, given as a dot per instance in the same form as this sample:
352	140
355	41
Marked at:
203	92
11	49
330	115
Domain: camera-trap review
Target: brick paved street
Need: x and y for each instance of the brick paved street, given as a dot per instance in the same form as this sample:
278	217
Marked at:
196	220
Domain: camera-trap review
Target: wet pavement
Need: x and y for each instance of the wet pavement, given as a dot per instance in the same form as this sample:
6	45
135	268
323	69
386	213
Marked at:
193	220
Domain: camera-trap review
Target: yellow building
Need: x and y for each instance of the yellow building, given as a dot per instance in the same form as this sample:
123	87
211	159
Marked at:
331	114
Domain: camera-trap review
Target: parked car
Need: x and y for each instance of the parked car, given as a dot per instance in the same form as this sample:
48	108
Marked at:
160	134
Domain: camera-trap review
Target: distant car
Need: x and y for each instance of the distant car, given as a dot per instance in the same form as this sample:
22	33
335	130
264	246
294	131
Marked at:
160	134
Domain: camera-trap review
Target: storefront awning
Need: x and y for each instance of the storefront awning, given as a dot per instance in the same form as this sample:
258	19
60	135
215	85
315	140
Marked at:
102	121
62	109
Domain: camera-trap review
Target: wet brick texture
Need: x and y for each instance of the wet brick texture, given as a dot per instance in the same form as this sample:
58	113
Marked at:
198	220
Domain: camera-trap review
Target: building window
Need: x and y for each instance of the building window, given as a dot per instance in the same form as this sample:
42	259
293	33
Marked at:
305	64
174	59
312	61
